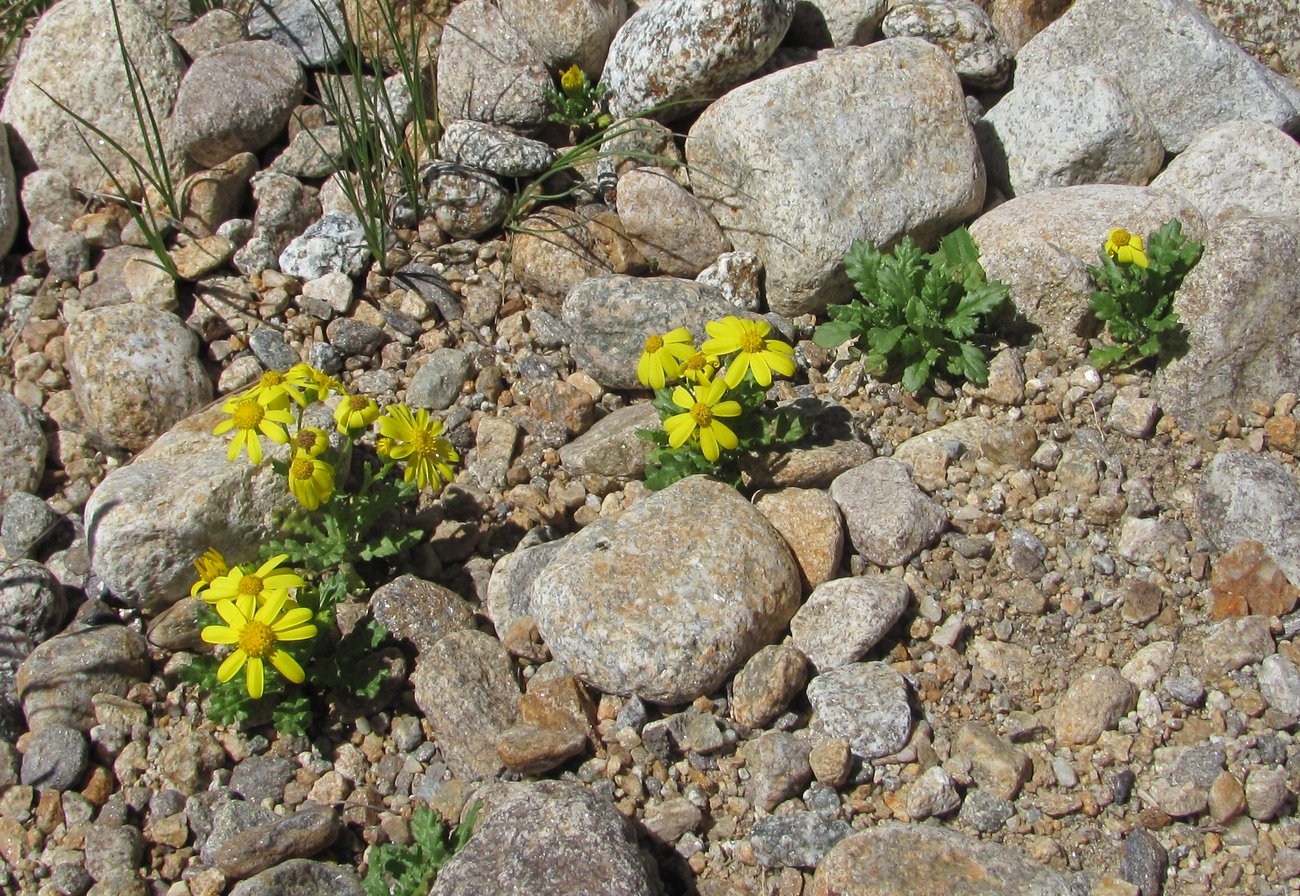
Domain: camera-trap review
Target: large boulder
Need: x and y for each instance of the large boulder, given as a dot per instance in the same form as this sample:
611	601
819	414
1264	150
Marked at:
1242	168
488	71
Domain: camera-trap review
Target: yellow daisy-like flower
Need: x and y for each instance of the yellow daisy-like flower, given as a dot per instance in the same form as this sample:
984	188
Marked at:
699	368
275	390
315	384
210	566
355	413
267	582
755	352
310	440
311	480
249	416
1126	248
702	408
662	357
256	633
572	80
415	438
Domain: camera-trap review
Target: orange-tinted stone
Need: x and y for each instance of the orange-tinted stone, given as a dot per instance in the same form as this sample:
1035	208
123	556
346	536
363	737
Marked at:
1283	434
1246	572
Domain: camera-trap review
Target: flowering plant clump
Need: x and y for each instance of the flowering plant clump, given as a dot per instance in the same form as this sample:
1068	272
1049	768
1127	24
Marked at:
273	619
578	103
712	415
1136	283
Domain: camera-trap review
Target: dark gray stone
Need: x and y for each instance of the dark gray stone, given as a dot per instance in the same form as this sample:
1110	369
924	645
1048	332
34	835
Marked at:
27	522
262	777
301	877
437	384
1143	862
56	758
799	841
354	337
270	348
306	28
985	812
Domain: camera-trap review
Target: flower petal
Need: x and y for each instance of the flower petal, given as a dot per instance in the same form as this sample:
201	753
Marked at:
230	665
219	634
229	611
287	666
708	444
255	677
296	616
726	438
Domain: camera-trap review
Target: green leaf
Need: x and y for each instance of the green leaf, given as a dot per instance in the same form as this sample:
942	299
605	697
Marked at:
833	334
916	375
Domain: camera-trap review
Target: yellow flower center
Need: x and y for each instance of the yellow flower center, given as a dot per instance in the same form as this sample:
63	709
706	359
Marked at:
423	444
701	414
357	402
696	362
752	342
1120	237
272	378
301	468
257	639
306	440
248	414
653	344
250	585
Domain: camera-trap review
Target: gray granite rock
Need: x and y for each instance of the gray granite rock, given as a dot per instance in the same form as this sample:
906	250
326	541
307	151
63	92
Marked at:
353	337
677	50
113	849
778	767
1232	644
301	877
58	678
864	704
611	448
28	521
798	194
56	758
437	384
796	841
1243	337
668	599
307	28
961	29
1190	76
1094	702
465	687
932	794
236	99
262	777
488	71
836	23
299	835
568	32
1241	168
986	812
844	618
888	518
1143	861
549	839
334	243
497	150
1251	497
1279	683
32	605
22	447
421	612
9	216
466	202
669	226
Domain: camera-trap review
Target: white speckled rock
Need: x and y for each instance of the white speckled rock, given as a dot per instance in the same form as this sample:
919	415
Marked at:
1073	125
135	371
8	195
22	447
844	618
1243	166
962	30
1040	245
665	601
568	32
679	50
1247	496
835	23
488	71
494	149
669	226
890	520
1181	69
871	143
864	704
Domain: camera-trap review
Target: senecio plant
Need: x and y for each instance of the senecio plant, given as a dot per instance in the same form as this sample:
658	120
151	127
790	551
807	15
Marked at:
711	399
578	103
1136	283
271	615
919	312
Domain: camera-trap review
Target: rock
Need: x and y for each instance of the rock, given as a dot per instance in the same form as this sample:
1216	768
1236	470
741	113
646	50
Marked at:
1191	76
32	605
895	99
56	758
307	28
1075	125
811	524
1019	20
997	766
215	196
1133	415
768	682
43	136
28	521
530	750
669	820
353	337
986	812
778	768
888	518
437	384
554	250
864	704
1241	167
59	677
615	314
466	202
962	30
202	256
668	226
1242	340
314	153
8	198
215	28
836	23
899	859
236	99
797	841
1232	644
465	687
1227	798
676	51
301	877
298	836
738	275
932	794
419	611
1050	287
1143	862
1266	792
112	849
22	447
1247	573
488	71
611	447
262	777
1279	683
386	46
228	819
50	203
510	589
1246	496
845	618
1093	703
667	599
152	518
497	150
334	243
548	839
568	32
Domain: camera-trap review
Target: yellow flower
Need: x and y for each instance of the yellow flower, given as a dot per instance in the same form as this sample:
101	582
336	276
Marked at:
1126	248
310	440
418	440
355	413
275	390
248	417
702	408
210	566
662	356
315	384
267	582
699	368
572	80
256	633
311	480
755	352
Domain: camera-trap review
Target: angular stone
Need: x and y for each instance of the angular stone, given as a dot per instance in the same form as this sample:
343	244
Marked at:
796	841
962	30
310	29
864	704
997	765
811	524
778	767
529	750
768	682
845	618
611	447
1252	497
56	758
336	242
1093	703
488	71
494	149
1279	683
1246	572
301	877
298	836
888	517
22	448
419	611
671	229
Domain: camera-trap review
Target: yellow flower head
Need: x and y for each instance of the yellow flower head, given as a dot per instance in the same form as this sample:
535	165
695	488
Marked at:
702	408
699	368
1126	248
311	480
275	390
249	416
572	80
310	440
355	413
267	582
210	566
256	633
415	438
662	357
754	351
315	384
